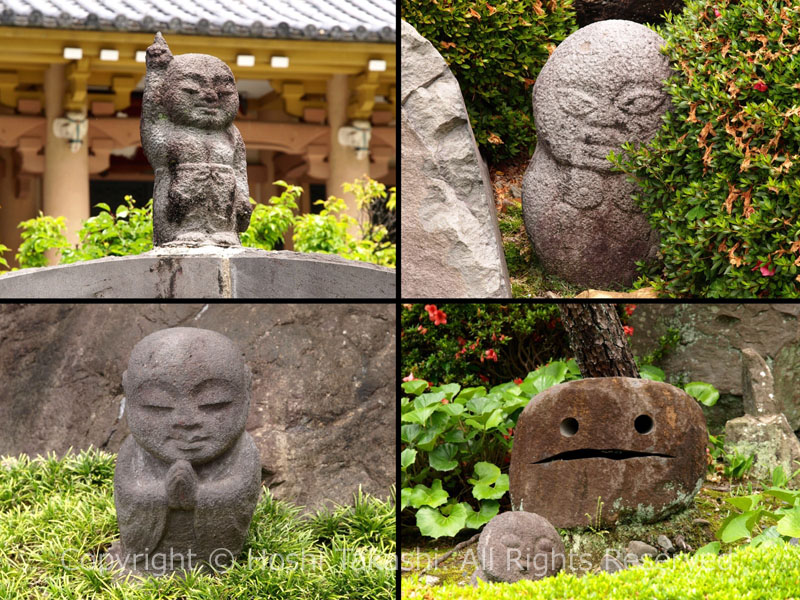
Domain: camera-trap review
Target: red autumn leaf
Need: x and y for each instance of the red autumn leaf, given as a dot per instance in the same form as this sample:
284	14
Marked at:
760	86
474	13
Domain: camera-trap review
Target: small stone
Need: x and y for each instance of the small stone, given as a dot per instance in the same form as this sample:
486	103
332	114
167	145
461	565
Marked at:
701	522
681	544
431	580
516	190
641	549
519	545
665	544
794	541
609	564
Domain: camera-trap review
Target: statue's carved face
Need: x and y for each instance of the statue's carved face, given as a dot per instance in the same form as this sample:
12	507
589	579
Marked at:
200	91
187	394
598	91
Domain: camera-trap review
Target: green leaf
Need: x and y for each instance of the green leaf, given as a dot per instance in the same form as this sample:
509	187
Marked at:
415	387
704	393
481	405
422	495
778	477
652	373
545	377
744	503
736	527
442	458
449	390
433	523
407	458
710	548
494	420
453	409
487	511
788	496
790	524
767	537
490	484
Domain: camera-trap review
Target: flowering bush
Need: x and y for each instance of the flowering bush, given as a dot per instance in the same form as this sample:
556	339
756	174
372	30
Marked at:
721	181
475	344
495	50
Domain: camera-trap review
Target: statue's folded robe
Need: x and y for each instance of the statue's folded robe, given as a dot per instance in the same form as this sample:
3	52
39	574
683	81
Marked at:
227	492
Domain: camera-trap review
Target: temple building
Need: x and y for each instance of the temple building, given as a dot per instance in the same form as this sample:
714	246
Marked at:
316	79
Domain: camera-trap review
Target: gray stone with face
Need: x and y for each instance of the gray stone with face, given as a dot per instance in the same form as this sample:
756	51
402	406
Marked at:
187	479
519	545
201	196
601	87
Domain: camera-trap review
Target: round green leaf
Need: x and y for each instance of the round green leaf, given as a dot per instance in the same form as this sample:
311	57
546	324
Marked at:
433	523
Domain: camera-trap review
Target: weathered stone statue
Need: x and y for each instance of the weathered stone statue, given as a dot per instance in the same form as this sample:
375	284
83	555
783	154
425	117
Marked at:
187	479
201	195
601	87
518	545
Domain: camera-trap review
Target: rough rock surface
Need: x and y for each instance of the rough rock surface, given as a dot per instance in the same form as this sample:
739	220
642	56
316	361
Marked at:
323	397
641	11
609	564
763	431
712	339
636	445
601	87
201	193
451	242
518	545
188	478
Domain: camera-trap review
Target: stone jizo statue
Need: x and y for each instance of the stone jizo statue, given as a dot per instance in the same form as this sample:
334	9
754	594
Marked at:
600	88
201	196
187	479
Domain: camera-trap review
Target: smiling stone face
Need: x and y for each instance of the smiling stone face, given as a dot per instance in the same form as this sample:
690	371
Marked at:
201	92
637	445
188	395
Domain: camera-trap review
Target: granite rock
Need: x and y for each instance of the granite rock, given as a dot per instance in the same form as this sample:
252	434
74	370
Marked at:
641	549
601	87
763	431
619	448
200	194
640	11
188	478
609	564
519	545
451	242
323	385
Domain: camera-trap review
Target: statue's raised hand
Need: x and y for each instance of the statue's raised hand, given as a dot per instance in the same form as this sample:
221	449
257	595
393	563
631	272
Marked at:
158	53
181	486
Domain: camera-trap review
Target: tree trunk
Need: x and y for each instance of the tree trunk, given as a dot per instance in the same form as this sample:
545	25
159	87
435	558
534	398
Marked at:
596	337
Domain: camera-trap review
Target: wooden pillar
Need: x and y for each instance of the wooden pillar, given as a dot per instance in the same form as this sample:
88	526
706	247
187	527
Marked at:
66	173
344	166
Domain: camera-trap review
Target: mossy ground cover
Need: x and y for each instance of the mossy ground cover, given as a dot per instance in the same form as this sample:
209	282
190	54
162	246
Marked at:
57	518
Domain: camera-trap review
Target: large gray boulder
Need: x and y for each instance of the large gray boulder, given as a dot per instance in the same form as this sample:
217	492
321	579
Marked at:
322	409
451	243
600	88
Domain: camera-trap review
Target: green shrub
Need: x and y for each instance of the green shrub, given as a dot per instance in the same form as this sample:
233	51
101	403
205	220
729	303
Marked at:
517	337
495	50
721	180
57	517
270	222
769	573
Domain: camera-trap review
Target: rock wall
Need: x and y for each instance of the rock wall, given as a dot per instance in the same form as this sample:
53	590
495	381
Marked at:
323	406
712	338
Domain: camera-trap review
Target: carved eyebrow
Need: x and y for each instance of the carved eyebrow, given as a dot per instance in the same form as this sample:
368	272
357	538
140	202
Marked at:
196	77
209	382
223	79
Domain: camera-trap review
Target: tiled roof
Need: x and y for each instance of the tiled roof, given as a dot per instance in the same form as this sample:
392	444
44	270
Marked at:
353	20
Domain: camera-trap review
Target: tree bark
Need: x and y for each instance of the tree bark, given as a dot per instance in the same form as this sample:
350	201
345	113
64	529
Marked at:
598	341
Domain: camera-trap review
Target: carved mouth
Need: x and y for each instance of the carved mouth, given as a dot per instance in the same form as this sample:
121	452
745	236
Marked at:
593	453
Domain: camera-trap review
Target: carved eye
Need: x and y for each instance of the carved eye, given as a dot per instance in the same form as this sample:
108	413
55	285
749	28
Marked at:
189	90
214	406
643	424
158	407
576	102
639	101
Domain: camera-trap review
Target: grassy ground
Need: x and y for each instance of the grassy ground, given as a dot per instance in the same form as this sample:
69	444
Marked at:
57	518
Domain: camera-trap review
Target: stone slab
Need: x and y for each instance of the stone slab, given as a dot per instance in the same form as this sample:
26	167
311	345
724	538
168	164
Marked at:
205	272
451	245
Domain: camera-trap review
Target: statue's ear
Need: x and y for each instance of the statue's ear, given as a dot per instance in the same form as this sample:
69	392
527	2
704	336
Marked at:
158	54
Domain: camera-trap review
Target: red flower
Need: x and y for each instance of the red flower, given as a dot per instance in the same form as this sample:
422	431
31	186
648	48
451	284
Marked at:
461	341
445	401
440	318
410	377
422	330
483	378
627	329
767	270
716	12
491	355
510	433
760	86
629	308
518	381
494	337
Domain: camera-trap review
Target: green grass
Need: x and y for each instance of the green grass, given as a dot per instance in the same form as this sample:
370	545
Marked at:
57	516
745	574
